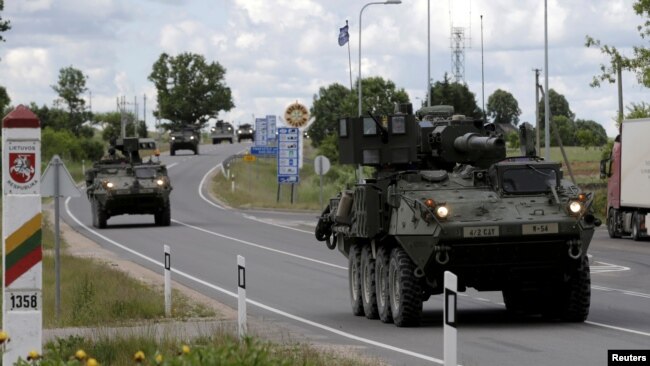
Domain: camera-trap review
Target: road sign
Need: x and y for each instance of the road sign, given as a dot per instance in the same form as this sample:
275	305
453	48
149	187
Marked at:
49	182
260	132
22	236
271	123
321	165
296	115
249	158
264	150
288	155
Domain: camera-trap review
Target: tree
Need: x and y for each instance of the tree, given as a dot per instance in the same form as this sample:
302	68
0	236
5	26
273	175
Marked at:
502	107
111	123
639	63
638	110
5	25
590	132
558	105
456	95
190	90
336	101
566	129
4	98
70	88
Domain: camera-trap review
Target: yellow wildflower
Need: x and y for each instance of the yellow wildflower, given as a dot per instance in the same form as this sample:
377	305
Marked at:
138	357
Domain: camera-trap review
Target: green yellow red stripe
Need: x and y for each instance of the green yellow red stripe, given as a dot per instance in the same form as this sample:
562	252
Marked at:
23	249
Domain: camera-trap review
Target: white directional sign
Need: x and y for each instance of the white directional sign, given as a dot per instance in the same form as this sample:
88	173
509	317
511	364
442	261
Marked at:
288	155
271	123
260	131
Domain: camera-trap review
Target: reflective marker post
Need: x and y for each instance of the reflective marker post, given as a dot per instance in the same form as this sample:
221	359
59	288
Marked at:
168	281
449	315
22	237
241	292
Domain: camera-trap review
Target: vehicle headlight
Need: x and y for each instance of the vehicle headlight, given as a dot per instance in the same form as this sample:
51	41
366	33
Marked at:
212	129
575	207
250	131
173	138
191	137
442	212
160	182
110	185
238	131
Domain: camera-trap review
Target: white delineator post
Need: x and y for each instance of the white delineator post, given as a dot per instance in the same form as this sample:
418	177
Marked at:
449	315
21	227
241	292
168	281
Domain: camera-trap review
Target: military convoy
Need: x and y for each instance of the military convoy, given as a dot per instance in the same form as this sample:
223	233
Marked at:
245	132
186	138
125	184
444	197
222	131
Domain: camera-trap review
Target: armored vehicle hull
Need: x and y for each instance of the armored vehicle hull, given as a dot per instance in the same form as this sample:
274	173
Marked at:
222	131
245	132
185	139
126	185
450	201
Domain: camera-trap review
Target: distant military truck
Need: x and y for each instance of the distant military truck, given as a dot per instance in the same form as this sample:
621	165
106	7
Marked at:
245	132
120	184
222	131
187	138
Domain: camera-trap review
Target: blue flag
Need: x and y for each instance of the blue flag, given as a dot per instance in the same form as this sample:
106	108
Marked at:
344	37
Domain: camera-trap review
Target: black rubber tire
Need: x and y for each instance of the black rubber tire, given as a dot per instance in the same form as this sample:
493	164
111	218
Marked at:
636	236
164	217
172	152
93	210
99	216
404	289
578	293
231	142
196	150
381	284
611	224
354	279
368	294
215	141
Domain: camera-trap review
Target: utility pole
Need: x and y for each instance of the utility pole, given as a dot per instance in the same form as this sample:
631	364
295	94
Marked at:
537	124
482	72
620	97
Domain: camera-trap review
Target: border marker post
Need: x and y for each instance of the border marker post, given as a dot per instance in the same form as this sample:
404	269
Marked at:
168	281
241	296
449	315
22	236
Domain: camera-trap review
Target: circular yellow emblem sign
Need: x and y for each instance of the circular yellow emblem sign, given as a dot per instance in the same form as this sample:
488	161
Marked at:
296	115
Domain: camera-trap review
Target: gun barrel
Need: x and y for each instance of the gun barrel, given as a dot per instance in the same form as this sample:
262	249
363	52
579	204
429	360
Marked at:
474	142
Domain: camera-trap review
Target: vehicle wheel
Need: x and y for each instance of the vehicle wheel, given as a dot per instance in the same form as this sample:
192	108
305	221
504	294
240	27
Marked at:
354	279
238	140
404	290
636	227
368	294
164	217
576	294
612	218
231	141
93	209
172	152
99	216
381	284
196	150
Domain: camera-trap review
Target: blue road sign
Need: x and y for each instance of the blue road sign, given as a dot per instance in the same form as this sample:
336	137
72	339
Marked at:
288	157
264	150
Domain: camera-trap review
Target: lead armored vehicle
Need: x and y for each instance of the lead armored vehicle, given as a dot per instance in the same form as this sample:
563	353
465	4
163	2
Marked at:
186	138
245	132
222	131
123	183
444	197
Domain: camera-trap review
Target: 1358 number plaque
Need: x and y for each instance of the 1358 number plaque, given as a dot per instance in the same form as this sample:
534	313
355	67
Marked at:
23	300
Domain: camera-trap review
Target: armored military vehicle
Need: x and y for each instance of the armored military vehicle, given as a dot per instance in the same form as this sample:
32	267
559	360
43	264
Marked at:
245	132
186	138
445	198
123	183
222	131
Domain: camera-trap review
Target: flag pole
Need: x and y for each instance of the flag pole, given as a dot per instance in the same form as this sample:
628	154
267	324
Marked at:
349	60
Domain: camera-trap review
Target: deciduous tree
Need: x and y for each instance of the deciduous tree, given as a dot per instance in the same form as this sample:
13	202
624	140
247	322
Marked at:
190	90
457	95
502	107
70	87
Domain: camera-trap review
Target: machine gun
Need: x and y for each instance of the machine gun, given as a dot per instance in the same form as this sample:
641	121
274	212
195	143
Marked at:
130	147
432	139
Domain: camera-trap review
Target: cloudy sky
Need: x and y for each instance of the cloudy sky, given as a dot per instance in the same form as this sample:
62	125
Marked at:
280	51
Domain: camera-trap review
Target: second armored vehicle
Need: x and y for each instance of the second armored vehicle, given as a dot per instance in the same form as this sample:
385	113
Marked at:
187	138
245	132
222	131
118	185
445	198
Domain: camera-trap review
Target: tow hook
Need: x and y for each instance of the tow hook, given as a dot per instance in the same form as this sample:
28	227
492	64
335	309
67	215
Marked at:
575	248
442	254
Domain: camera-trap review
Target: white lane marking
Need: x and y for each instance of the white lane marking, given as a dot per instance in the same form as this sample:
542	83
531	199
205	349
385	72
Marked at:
259	246
256	303
624	292
274	224
172	165
205	177
618	328
607	267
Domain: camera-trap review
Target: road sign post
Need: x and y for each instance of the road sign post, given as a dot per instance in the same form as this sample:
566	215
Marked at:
57	182
241	298
168	281
449	315
22	244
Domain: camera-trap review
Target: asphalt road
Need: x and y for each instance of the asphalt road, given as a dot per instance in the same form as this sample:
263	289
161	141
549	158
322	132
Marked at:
296	281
